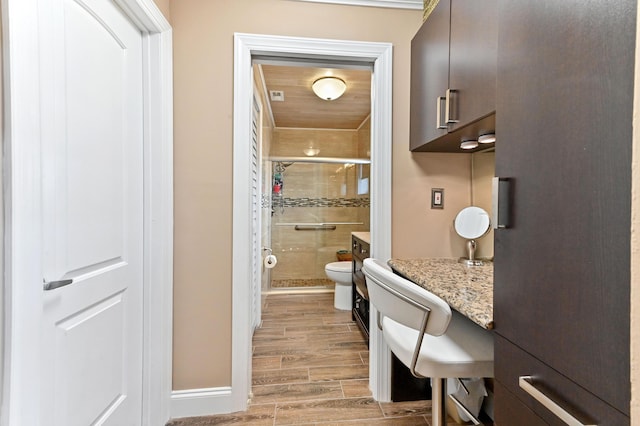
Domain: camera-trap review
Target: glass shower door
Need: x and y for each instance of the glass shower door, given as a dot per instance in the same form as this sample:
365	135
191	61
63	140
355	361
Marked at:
315	207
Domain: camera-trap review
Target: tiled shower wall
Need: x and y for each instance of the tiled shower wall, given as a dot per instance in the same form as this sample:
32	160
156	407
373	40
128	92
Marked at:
317	193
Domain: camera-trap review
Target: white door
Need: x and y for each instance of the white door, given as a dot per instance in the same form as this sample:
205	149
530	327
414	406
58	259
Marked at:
92	168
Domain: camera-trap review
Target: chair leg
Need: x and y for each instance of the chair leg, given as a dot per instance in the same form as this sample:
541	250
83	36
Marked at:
438	402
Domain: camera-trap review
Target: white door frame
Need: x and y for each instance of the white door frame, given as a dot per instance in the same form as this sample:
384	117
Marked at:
22	299
378	54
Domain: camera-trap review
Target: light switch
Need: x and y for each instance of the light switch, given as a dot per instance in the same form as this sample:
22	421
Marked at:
437	198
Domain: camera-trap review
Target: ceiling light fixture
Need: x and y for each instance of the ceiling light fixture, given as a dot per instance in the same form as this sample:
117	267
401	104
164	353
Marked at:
329	88
468	144
487	138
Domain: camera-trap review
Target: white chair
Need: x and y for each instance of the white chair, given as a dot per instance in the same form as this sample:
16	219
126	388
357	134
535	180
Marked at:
426	335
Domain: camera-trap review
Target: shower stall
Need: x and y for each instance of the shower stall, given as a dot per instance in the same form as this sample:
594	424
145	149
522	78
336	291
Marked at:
316	202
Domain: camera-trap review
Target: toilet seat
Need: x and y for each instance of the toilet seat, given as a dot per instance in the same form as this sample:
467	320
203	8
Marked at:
344	266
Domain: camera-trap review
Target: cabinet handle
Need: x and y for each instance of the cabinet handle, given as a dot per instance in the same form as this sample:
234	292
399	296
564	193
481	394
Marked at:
501	203
449	117
526	384
439	124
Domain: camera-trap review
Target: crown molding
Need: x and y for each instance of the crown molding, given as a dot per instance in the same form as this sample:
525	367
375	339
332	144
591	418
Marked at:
395	4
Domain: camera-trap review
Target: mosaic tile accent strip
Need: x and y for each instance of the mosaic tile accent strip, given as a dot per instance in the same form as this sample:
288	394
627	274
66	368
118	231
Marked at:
320	202
314	282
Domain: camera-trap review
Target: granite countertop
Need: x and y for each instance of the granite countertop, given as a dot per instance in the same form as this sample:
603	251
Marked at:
364	236
467	289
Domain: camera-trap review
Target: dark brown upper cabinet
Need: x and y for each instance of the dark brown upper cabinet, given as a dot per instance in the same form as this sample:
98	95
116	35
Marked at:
453	76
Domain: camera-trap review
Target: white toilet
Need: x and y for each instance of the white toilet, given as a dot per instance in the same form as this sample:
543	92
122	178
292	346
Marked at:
340	272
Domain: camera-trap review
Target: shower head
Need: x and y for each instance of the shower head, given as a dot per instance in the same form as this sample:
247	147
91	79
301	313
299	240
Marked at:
282	166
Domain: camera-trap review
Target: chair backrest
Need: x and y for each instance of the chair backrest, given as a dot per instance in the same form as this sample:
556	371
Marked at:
404	301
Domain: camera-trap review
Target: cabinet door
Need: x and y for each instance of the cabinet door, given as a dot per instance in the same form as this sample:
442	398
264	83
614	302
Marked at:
514	404
472	60
429	75
511	411
564	125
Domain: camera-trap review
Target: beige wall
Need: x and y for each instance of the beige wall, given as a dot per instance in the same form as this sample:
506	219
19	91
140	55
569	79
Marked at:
483	170
203	70
417	229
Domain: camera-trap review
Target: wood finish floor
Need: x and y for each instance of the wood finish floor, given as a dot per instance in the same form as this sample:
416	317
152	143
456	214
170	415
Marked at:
310	367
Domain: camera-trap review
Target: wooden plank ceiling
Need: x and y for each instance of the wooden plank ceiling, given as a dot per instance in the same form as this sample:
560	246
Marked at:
301	108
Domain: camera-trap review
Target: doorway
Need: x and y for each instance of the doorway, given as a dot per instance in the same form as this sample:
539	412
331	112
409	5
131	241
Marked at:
315	169
247	48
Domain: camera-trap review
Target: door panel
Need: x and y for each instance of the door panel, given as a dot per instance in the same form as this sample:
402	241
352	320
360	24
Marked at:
472	59
429	74
81	341
93	194
512	362
561	275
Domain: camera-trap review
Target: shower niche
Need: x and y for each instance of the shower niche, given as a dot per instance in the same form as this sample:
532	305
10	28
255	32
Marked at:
315	205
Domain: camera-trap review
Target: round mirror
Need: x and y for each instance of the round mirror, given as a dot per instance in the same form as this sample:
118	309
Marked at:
472	222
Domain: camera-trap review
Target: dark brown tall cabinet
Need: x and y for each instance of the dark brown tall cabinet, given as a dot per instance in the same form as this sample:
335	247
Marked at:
562	268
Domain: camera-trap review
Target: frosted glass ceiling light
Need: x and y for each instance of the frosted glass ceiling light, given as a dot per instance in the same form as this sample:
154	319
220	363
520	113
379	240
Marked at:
329	88
311	151
487	138
468	144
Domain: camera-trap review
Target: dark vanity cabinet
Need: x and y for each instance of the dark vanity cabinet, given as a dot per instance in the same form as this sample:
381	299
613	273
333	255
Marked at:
562	266
360	296
453	75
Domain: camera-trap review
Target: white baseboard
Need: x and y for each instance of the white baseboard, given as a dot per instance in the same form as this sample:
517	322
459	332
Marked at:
201	402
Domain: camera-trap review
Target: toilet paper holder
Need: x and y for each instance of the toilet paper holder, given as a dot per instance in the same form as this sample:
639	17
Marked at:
269	261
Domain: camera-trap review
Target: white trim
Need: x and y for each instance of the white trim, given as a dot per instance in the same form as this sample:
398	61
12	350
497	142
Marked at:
200	402
378	54
381	154
21	387
158	205
241	274
395	4
267	96
146	15
23	275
